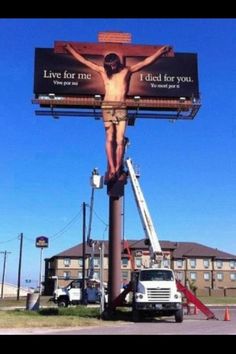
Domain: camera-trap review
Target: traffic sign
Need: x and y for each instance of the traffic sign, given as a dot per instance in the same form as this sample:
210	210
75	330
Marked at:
41	241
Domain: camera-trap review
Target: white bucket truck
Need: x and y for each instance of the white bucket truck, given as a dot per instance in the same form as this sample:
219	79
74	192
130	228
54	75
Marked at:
154	289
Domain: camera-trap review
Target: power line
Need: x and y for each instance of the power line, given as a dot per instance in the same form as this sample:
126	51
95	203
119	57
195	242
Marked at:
62	230
11	239
67	226
100	218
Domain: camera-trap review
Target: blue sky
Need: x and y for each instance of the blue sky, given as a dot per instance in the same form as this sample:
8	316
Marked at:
188	168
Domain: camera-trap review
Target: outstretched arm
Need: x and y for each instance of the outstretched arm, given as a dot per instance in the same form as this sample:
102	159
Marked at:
82	60
149	60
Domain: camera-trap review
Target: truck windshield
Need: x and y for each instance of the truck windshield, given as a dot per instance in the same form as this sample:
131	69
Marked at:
155	274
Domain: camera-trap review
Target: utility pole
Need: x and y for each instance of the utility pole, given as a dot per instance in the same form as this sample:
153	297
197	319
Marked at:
102	302
4	271
19	267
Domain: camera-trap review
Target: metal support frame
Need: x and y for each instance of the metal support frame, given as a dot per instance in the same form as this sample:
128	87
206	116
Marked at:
171	109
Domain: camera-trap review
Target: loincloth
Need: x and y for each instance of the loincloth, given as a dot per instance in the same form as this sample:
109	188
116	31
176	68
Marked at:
114	115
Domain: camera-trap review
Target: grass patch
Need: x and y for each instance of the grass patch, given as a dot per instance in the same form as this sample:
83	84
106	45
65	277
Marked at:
13	302
50	317
81	311
75	316
10	320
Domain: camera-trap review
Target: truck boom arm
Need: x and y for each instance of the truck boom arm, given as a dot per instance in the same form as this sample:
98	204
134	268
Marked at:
145	216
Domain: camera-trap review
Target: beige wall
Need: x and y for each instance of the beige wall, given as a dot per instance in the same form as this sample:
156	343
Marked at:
219	271
185	270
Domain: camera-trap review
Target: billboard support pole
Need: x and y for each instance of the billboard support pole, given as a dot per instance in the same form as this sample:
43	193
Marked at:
114	278
115	192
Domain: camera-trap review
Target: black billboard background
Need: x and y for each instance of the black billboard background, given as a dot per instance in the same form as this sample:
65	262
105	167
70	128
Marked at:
61	74
167	77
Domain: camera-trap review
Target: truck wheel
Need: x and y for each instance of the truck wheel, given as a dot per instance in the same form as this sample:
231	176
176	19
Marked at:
135	315
179	316
62	303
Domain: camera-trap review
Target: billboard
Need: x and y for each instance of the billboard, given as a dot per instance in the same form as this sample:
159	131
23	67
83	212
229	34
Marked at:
167	77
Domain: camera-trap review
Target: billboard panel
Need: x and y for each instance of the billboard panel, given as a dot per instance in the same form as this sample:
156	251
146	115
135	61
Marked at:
168	77
63	75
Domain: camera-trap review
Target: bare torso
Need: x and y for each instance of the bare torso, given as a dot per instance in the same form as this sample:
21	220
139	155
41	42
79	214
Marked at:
116	86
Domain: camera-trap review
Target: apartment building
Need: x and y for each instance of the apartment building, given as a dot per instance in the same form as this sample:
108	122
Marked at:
194	264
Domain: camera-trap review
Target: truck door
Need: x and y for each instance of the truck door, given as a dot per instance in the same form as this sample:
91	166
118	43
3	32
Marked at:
75	290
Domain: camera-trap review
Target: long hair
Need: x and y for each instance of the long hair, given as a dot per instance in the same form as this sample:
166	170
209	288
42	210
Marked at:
112	64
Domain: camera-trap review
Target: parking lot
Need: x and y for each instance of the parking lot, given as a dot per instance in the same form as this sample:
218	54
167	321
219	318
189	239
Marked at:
192	325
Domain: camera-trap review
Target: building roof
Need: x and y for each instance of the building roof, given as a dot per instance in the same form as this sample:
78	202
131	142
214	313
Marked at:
178	249
192	249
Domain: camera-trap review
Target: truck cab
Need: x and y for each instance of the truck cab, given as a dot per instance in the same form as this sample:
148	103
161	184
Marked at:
72	294
155	294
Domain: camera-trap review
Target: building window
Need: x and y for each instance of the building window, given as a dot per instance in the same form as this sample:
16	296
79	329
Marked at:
219	276
232	264
138	253
125	275
219	264
96	274
80	275
66	275
179	276
206	263
124	262
179	263
166	263
138	262
193	275
67	262
80	262
233	276
193	263
206	276
96	262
